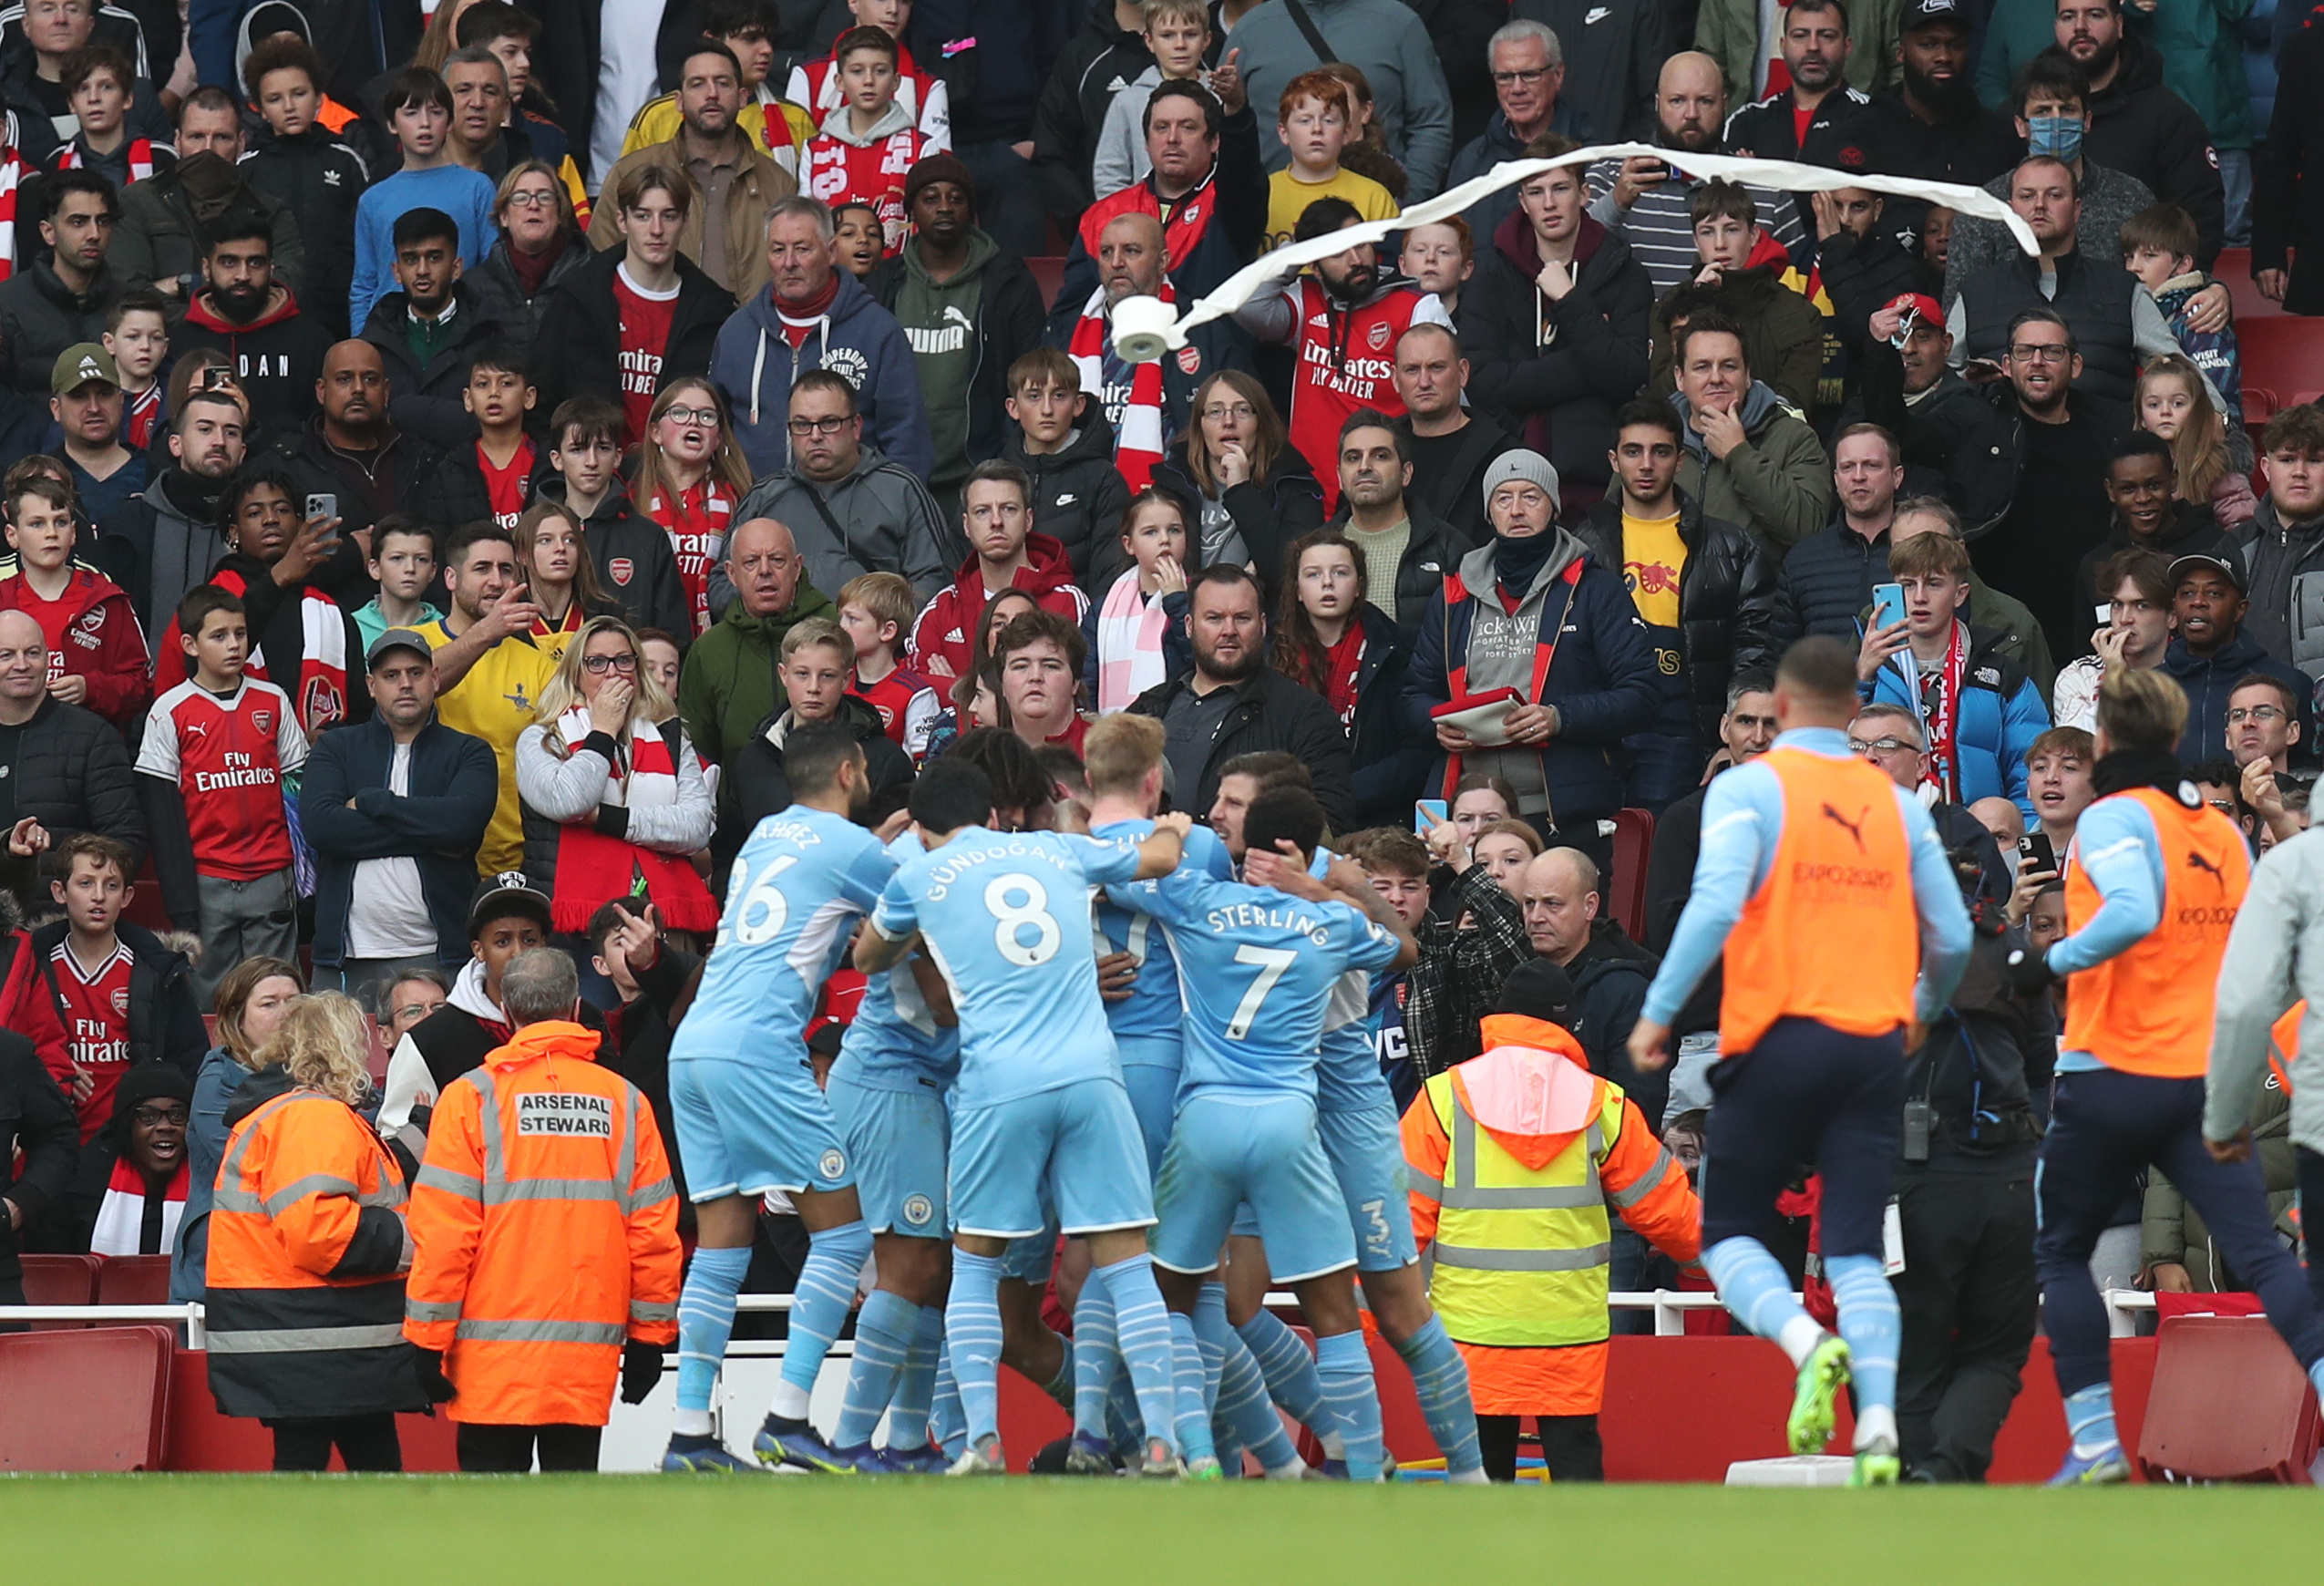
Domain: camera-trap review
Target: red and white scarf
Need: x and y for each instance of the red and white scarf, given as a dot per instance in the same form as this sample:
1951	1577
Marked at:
593	869
12	175
1130	630
120	1215
141	158
1138	439
1943	716
319	693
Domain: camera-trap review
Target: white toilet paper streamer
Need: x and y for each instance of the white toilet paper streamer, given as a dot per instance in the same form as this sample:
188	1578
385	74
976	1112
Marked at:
1143	327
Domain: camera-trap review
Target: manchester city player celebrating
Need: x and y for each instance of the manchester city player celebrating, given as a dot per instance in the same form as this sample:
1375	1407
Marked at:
750	1117
1259	962
1040	1105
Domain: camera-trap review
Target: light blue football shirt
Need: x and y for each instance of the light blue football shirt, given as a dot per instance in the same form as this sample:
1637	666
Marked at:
894	1042
1256	970
1125	925
801	881
1006	917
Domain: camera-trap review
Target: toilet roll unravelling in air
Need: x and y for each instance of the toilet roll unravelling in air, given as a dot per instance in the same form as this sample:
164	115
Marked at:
1145	327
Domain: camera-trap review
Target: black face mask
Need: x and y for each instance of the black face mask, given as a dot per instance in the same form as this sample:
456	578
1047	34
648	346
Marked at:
1515	563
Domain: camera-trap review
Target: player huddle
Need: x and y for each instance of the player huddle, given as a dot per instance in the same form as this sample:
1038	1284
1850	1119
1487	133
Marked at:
987	1092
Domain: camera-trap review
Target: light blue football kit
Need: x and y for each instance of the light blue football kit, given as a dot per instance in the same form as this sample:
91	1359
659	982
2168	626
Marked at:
1150	1025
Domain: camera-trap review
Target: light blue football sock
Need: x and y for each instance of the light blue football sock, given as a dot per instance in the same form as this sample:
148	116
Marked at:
1752	1287
1344	1365
1192	1423
884	1331
1289	1370
1875	1330
1440	1377
705	1322
1243	1404
1142	1331
916	1384
1209	1328
2090	1420
1097	1358
973	1331
947	1426
819	1305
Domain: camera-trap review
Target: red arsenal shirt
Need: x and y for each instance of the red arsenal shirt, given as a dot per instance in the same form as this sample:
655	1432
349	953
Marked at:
95	1007
228	755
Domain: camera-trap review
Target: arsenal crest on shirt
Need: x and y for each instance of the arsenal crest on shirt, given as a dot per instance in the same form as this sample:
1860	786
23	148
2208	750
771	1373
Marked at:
621	568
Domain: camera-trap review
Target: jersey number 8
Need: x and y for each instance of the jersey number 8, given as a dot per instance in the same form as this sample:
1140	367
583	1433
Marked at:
1008	935
757	895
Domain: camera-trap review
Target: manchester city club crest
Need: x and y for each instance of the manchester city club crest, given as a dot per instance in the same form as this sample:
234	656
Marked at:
834	1164
917	1210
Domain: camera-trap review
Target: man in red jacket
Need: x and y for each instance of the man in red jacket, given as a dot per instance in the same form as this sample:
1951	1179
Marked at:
97	654
996	511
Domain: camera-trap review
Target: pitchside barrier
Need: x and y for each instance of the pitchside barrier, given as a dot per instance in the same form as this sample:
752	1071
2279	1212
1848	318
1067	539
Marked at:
1679	1407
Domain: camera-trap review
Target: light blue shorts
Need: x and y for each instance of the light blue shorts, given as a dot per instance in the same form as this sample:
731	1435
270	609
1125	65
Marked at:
1264	1149
1367	1156
748	1128
897	1140
1075	1148
1150	1067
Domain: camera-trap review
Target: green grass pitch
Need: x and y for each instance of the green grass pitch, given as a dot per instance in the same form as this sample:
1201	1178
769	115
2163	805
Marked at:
644	1531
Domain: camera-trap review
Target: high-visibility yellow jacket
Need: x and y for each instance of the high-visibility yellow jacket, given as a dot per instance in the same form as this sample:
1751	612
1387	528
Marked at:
307	1240
545	1227
1515	1158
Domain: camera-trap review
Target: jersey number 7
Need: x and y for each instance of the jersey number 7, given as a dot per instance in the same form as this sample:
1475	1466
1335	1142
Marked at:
1271	962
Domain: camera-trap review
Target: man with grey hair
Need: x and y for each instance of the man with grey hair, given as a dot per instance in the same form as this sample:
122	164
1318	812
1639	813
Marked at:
544	1212
1528	69
811	314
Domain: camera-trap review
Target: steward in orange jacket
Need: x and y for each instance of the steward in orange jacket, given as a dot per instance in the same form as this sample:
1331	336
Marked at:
306	1300
546	1228
1514	1157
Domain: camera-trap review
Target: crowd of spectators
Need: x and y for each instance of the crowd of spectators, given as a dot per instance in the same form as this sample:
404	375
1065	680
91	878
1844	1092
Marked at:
476	442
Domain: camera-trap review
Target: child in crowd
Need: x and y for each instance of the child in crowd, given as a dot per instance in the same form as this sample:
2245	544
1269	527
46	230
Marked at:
97	654
100	88
1136	637
877	611
635	566
818	83
1178	35
217	752
1367	150
1068	453
137	332
868	143
2057	776
2158	247
1440	256
559	577
690	475
403	564
861	240
491	476
420	112
296	154
2171	403
1316	113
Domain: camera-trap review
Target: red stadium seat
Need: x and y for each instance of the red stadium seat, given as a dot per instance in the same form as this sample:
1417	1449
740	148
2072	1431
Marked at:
2234	270
133	1280
1048	274
2229	1403
1625	900
145	903
2284	356
60	1280
93	1400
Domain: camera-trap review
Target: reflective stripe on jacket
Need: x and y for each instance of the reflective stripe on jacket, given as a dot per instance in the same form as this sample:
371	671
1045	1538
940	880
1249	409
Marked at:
306	1240
545	1224
1515	1158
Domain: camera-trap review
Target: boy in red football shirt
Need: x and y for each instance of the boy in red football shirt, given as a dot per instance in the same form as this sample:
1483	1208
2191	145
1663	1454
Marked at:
217	749
492	475
875	610
96	655
868	144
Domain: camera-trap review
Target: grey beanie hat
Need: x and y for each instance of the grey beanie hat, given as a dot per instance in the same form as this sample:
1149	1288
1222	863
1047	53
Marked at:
1530	466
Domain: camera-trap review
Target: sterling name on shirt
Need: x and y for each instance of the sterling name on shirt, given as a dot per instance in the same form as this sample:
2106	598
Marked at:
1252	916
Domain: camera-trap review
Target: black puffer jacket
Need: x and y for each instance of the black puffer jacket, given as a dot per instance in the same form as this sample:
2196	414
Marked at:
1726	600
1555	389
1388	763
578	352
503	298
317	178
1825	582
72	774
1078	496
1958	441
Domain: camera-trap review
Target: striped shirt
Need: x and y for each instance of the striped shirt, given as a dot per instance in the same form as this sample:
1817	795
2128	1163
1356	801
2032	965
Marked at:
1658	232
